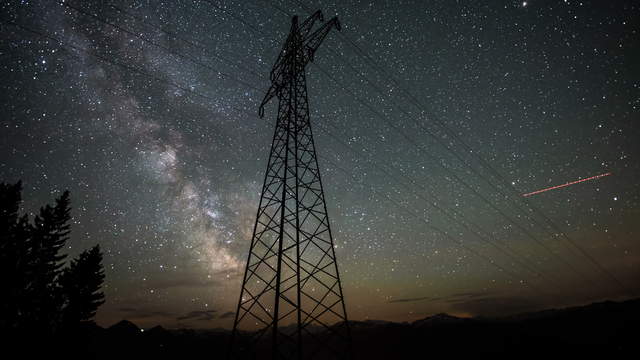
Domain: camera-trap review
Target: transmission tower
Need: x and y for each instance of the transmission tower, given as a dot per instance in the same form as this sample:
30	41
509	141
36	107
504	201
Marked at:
291	304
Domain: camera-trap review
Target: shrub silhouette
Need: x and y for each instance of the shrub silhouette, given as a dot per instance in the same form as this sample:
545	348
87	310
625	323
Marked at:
42	297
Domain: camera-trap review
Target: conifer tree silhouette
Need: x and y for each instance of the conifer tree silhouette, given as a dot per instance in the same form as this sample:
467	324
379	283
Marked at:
49	234
14	261
81	283
42	297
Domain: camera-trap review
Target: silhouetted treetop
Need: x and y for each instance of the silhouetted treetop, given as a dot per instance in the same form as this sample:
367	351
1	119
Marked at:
81	283
42	296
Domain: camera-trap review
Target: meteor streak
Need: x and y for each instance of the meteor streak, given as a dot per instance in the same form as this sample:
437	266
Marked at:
567	184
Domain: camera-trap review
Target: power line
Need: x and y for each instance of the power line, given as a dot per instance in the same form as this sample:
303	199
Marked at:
522	229
455	176
494	172
451	133
162	47
407	114
113	90
460	243
447	235
522	263
480	236
433	202
112	62
186	41
174	85
237	18
62	44
284	12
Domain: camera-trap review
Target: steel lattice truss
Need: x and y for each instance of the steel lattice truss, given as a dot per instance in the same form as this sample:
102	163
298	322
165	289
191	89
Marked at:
291	303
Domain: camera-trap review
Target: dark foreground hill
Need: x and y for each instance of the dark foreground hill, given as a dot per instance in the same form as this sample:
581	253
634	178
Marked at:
608	328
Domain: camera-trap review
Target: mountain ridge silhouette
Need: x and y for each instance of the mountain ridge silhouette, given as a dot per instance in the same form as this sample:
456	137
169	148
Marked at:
606	327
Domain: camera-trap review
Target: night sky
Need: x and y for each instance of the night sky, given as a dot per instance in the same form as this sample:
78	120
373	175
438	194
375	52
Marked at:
147	112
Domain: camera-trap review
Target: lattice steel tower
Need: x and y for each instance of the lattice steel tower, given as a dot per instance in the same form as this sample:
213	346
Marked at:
291	303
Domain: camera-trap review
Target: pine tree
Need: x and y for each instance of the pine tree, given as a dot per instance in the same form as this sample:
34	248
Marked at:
40	295
81	283
14	255
50	232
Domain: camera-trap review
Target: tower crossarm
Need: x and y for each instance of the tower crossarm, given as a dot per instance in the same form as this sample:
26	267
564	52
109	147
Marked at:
312	42
307	25
296	33
306	41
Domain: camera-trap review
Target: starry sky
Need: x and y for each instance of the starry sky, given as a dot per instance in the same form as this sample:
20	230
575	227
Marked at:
431	119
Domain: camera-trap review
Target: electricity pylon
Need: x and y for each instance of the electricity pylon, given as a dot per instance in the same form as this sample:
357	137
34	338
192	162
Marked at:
291	303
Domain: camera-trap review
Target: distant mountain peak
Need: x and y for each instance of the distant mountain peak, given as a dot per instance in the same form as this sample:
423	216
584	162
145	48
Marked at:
124	326
441	318
157	329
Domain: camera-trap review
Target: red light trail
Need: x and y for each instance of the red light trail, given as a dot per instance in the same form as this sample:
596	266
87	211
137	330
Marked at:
567	184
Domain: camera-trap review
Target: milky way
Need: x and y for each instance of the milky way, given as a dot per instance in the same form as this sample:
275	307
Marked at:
147	113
